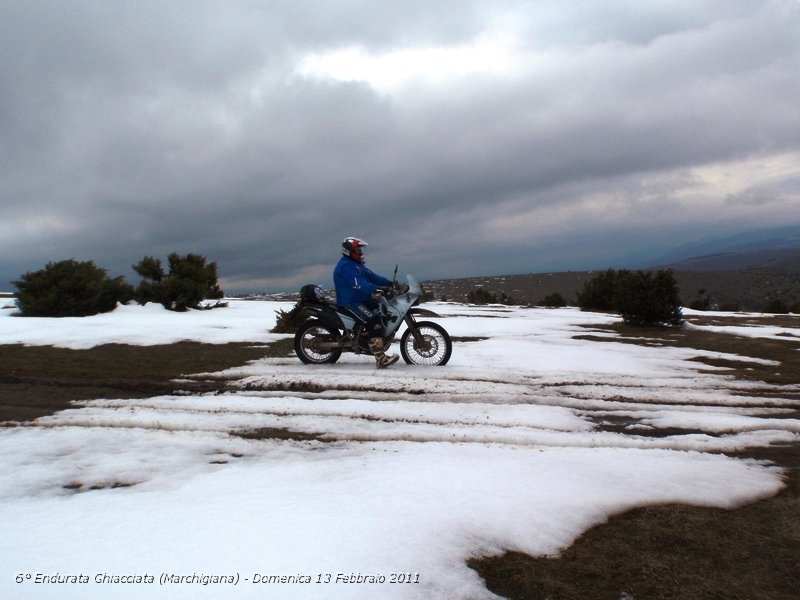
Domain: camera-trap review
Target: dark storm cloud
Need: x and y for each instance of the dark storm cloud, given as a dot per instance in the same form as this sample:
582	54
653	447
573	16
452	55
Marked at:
150	127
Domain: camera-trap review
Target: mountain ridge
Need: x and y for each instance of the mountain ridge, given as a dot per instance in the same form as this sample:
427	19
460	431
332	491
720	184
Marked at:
773	248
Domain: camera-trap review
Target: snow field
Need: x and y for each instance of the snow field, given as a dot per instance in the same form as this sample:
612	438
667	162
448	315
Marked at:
404	470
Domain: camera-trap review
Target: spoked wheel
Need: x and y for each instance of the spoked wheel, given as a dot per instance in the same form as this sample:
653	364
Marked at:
435	347
311	343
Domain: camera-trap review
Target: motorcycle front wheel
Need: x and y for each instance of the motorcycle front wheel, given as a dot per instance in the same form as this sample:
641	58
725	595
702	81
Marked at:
308	343
435	349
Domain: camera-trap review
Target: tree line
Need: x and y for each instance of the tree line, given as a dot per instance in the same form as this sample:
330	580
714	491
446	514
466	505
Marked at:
71	288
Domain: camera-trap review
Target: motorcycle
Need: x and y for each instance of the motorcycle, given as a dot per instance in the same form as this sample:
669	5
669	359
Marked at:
327	330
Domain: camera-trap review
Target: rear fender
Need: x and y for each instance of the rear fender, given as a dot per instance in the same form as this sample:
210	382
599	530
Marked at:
323	313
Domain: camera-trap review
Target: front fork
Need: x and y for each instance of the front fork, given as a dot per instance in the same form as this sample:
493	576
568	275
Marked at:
419	339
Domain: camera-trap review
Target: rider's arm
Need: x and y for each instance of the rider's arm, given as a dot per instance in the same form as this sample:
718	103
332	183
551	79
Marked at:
376	279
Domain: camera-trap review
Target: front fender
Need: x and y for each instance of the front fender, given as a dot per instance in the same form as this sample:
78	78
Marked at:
423	312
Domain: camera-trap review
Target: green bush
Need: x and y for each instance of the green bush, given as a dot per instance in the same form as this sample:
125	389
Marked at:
702	302
481	296
555	300
287	321
69	288
643	298
506	299
189	281
776	306
598	292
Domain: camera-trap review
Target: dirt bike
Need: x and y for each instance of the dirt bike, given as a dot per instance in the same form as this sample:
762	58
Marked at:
328	330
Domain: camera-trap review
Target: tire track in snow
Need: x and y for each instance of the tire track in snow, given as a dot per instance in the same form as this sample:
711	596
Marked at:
491	397
544	420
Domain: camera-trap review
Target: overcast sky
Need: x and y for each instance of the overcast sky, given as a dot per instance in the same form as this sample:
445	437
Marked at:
457	137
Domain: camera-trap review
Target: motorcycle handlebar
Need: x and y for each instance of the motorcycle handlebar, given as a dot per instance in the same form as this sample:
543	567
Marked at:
391	291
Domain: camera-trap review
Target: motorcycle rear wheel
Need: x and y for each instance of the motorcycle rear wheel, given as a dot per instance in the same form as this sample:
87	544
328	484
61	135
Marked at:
307	340
436	349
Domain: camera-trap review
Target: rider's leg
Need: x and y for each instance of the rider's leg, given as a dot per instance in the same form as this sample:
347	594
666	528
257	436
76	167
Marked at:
373	327
366	327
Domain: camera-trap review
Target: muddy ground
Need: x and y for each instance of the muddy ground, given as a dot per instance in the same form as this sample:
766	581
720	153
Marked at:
658	552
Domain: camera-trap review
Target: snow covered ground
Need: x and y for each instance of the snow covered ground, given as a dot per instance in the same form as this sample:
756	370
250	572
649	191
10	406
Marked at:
402	475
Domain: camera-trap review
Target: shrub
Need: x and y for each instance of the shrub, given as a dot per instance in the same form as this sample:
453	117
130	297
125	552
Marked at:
645	298
642	298
481	296
598	292
506	299
287	321
69	288
702	302
189	281
776	306
555	300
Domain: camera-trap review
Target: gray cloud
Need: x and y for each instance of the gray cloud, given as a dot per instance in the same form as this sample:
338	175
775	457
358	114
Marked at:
144	128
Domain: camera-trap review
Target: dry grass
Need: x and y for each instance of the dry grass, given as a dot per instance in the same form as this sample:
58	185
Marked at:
666	552
40	380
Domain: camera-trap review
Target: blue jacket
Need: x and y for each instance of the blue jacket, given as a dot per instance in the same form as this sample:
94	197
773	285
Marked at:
355	283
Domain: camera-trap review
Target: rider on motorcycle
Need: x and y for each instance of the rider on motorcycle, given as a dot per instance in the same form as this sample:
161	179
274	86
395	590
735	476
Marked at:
357	291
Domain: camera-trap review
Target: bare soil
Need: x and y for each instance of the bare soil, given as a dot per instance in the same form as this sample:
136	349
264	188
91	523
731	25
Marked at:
41	380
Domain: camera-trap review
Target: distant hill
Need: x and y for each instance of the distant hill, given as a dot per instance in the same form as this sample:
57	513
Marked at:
779	259
747	289
776	248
